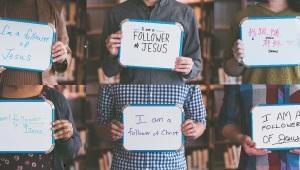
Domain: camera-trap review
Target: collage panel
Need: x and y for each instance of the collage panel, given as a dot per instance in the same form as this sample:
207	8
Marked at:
43	42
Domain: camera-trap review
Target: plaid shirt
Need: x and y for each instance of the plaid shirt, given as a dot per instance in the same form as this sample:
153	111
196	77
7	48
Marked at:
113	98
236	109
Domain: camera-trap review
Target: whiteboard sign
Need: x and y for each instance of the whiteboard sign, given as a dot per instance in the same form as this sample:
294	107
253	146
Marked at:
276	127
26	126
150	44
152	128
271	41
26	45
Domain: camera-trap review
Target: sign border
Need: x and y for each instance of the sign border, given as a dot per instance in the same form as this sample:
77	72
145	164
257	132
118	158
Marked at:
154	105
158	22
54	39
267	17
53	119
252	131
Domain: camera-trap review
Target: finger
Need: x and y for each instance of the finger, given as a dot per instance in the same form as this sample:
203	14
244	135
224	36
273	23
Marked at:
59	122
61	125
57	45
61	58
116	46
183	66
116	128
185	61
260	152
116	138
117	35
62	134
187	122
116	133
182	70
295	151
188	127
114	41
249	141
59	48
59	53
119	124
2	69
190	132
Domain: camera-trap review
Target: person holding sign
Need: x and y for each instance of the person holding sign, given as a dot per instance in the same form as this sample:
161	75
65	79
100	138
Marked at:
235	122
187	66
42	11
67	140
234	65
110	106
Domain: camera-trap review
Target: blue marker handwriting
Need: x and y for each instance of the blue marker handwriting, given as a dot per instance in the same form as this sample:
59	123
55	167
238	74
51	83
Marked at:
26	36
28	125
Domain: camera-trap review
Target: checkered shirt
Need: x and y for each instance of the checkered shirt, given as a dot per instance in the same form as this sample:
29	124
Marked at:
113	98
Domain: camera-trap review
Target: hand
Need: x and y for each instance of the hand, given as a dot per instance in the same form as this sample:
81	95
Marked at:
59	52
63	129
184	65
2	69
192	129
116	130
295	151
249	147
113	42
238	51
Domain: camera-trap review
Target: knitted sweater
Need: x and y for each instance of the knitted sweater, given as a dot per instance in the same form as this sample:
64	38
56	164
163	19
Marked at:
278	75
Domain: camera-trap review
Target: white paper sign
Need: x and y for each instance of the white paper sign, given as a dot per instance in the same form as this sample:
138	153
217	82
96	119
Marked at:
276	127
150	44
152	128
26	45
26	126
271	41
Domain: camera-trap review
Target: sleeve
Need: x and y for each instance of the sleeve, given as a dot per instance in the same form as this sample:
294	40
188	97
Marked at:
110	64
231	66
229	113
192	47
69	149
105	105
194	107
62	35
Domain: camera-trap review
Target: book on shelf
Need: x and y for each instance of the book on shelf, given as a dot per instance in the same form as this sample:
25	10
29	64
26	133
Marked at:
105	161
83	138
232	157
69	9
198	160
78	165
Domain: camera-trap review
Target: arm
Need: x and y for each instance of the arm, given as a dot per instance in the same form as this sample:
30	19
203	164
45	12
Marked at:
229	120
68	146
195	114
191	46
110	63
231	65
105	111
61	51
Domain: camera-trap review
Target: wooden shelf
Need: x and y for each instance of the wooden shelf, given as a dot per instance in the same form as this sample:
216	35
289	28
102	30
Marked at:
100	5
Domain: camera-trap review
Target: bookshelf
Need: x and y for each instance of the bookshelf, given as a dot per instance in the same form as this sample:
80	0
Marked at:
75	16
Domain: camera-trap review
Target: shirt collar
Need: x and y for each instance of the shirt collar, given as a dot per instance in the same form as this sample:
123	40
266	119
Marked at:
161	3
